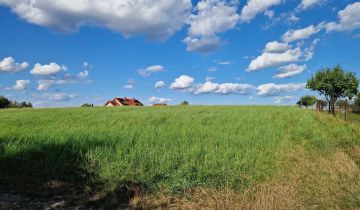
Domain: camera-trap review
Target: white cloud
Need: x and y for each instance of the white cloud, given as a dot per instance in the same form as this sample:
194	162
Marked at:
56	96
305	4
159	84
156	19
309	51
224	62
212	18
130	84
46	70
203	44
156	100
182	82
83	74
145	72
271	89
210	87
254	7
300	34
290	71
277	47
87	65
212	69
9	65
349	19
21	85
273	59
283	99
45	84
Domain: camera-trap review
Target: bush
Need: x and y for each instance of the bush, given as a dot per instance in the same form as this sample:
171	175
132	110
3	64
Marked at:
185	103
87	105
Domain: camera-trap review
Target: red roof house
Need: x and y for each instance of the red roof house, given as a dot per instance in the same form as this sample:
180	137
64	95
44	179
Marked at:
124	102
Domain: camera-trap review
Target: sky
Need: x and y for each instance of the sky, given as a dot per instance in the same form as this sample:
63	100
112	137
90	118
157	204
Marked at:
63	53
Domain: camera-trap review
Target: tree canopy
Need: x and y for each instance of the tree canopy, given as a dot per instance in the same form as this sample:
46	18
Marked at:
308	101
4	102
333	84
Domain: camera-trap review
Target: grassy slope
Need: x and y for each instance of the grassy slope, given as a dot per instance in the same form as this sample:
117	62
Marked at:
250	153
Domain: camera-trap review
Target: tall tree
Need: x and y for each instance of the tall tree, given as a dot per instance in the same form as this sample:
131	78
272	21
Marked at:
333	84
4	102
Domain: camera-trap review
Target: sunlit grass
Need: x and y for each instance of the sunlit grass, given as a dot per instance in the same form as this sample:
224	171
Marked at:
169	149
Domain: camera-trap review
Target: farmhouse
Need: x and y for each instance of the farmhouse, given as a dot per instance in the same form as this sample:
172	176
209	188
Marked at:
123	102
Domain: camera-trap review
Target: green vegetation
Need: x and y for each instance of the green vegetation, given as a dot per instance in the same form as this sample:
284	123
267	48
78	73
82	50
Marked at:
185	103
307	101
6	103
333	84
87	105
231	156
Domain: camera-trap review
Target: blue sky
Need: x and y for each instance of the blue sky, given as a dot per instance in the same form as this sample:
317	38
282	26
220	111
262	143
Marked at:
68	52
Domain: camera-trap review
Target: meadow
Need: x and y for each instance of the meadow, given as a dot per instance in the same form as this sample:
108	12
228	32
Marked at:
258	157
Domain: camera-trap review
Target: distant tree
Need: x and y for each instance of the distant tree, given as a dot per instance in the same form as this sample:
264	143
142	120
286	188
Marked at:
87	105
307	101
342	103
29	105
4	102
356	104
185	103
333	84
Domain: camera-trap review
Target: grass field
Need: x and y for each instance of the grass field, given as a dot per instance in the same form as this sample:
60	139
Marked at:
257	157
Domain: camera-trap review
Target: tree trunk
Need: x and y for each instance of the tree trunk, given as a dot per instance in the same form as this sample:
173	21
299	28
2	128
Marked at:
345	108
333	101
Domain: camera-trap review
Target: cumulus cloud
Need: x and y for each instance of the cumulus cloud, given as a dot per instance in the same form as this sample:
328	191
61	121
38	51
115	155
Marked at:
130	84
309	51
203	45
56	96
305	4
210	87
159	84
156	19
9	65
255	7
46	70
349	19
267	59
290	71
45	84
300	34
156	100
276	47
21	85
283	99
182	82
145	72
271	89
212	18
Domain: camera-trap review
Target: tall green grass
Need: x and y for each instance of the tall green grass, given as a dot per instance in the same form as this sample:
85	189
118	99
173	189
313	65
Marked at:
169	148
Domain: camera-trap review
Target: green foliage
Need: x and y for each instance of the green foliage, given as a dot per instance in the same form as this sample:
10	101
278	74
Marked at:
308	101
185	103
333	84
17	105
4	102
342	104
356	104
87	105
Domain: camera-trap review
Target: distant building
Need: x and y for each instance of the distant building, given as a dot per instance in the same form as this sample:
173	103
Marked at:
123	102
159	104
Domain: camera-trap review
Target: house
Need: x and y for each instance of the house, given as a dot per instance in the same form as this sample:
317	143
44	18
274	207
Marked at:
123	102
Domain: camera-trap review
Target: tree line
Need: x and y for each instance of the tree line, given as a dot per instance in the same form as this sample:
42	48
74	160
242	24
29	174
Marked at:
340	88
6	103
